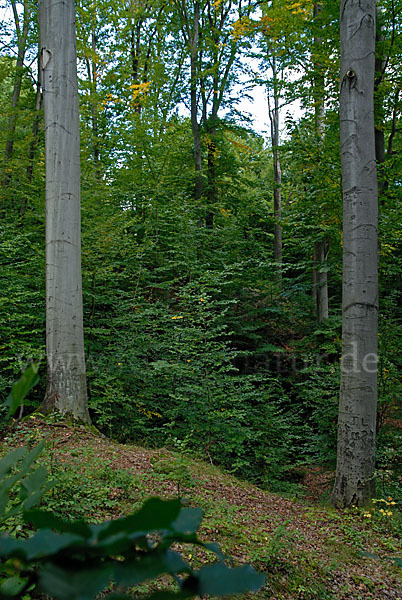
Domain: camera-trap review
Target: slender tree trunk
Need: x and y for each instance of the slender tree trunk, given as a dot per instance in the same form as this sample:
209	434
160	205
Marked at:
34	141
66	380
322	281
211	172
193	104
274	122
394	122
92	74
354	483
379	108
211	190
35	125
320	275
22	36
135	56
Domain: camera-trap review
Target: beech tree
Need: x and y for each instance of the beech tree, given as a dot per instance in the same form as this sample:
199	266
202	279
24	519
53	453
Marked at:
321	247
66	380
354	483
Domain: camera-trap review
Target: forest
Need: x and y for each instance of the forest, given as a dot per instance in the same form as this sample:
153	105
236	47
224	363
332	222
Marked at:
177	280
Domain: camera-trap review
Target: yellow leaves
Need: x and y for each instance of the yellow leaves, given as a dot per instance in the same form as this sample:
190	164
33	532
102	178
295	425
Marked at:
177	317
139	90
217	4
387	249
240	146
225	212
285	17
107	100
296	7
212	149
148	413
304	8
240	28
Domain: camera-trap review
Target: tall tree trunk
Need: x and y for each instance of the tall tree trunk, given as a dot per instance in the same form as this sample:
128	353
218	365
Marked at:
135	56
66	390
22	36
274	122
320	253
34	140
354	483
394	123
193	103
35	125
321	249
211	189
379	106
211	130
92	74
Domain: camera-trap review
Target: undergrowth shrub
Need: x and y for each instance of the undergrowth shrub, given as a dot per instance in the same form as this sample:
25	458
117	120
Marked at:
175	382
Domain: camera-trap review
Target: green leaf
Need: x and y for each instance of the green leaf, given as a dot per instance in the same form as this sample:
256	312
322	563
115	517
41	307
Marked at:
36	497
188	520
43	519
148	566
74	584
32	483
30	458
368	554
4	500
26	464
10	460
12	586
215	548
155	514
396	560
220	580
42	544
21	388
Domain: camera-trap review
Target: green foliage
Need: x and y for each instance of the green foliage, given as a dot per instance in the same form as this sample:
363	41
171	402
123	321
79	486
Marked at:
86	487
22	485
22	308
175	468
21	388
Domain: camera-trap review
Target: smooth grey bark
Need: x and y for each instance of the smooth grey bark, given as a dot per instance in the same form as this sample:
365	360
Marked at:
66	390
354	483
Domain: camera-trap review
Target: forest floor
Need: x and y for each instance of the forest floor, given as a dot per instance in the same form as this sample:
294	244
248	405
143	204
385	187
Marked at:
307	550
